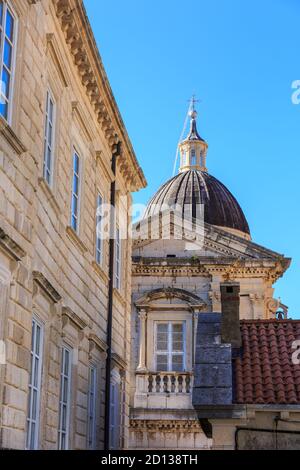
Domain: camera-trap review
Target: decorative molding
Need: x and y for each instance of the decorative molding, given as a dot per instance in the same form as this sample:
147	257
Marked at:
119	361
169	293
68	315
95	341
80	39
72	235
230	269
47	287
52	46
165	425
11	137
10	246
232	248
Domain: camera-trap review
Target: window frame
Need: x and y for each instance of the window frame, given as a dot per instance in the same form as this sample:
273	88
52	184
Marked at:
78	196
14	43
193	157
99	245
29	420
61	431
92	410
170	353
49	96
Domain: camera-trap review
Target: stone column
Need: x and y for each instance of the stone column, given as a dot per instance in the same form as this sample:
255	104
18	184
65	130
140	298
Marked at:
142	347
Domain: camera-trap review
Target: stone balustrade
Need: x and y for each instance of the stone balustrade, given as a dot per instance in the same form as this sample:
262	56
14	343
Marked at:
164	389
169	382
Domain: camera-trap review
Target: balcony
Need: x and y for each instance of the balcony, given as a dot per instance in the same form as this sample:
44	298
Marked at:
164	390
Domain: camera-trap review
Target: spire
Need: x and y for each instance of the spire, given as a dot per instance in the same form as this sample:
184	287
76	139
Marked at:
193	148
193	134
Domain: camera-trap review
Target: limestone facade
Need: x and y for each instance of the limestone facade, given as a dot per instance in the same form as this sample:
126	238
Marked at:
182	368
48	270
173	283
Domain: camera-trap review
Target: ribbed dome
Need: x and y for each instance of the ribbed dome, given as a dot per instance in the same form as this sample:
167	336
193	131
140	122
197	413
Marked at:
198	187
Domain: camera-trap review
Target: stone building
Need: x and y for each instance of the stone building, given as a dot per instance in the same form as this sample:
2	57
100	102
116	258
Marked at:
60	129
214	358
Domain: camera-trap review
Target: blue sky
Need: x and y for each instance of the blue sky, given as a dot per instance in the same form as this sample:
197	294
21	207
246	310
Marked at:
240	58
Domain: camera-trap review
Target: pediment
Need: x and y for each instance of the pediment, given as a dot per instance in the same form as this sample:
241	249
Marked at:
211	242
169	296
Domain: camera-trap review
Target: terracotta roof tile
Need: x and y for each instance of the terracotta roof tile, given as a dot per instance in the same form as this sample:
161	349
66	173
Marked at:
264	372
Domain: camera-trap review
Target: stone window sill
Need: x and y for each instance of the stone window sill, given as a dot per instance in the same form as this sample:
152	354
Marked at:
100	271
120	296
10	136
50	196
72	235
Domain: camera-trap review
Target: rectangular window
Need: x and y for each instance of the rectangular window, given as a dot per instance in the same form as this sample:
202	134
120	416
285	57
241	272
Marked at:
170	346
99	230
7	53
115	410
35	382
193	157
65	398
118	254
49	138
92	392
75	193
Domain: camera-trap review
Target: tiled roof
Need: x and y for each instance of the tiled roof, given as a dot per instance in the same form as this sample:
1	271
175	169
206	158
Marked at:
264	372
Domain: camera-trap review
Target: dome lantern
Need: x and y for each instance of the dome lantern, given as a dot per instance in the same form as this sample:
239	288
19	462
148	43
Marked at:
193	148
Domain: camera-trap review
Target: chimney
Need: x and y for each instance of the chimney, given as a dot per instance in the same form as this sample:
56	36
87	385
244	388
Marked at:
230	320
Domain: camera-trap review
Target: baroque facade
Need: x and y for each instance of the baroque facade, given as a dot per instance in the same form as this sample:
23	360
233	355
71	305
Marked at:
60	130
171	341
212	352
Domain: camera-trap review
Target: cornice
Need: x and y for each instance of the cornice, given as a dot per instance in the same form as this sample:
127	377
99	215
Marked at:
165	425
99	343
119	361
46	286
68	315
229	269
7	244
80	39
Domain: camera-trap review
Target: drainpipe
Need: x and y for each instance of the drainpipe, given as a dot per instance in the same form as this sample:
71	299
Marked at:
115	155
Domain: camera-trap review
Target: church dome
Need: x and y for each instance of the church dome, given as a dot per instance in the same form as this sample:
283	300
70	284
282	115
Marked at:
193	187
194	190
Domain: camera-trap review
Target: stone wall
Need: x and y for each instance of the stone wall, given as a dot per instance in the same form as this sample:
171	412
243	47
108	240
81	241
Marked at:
46	268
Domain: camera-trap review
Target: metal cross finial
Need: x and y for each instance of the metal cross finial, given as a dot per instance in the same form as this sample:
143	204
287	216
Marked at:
193	101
